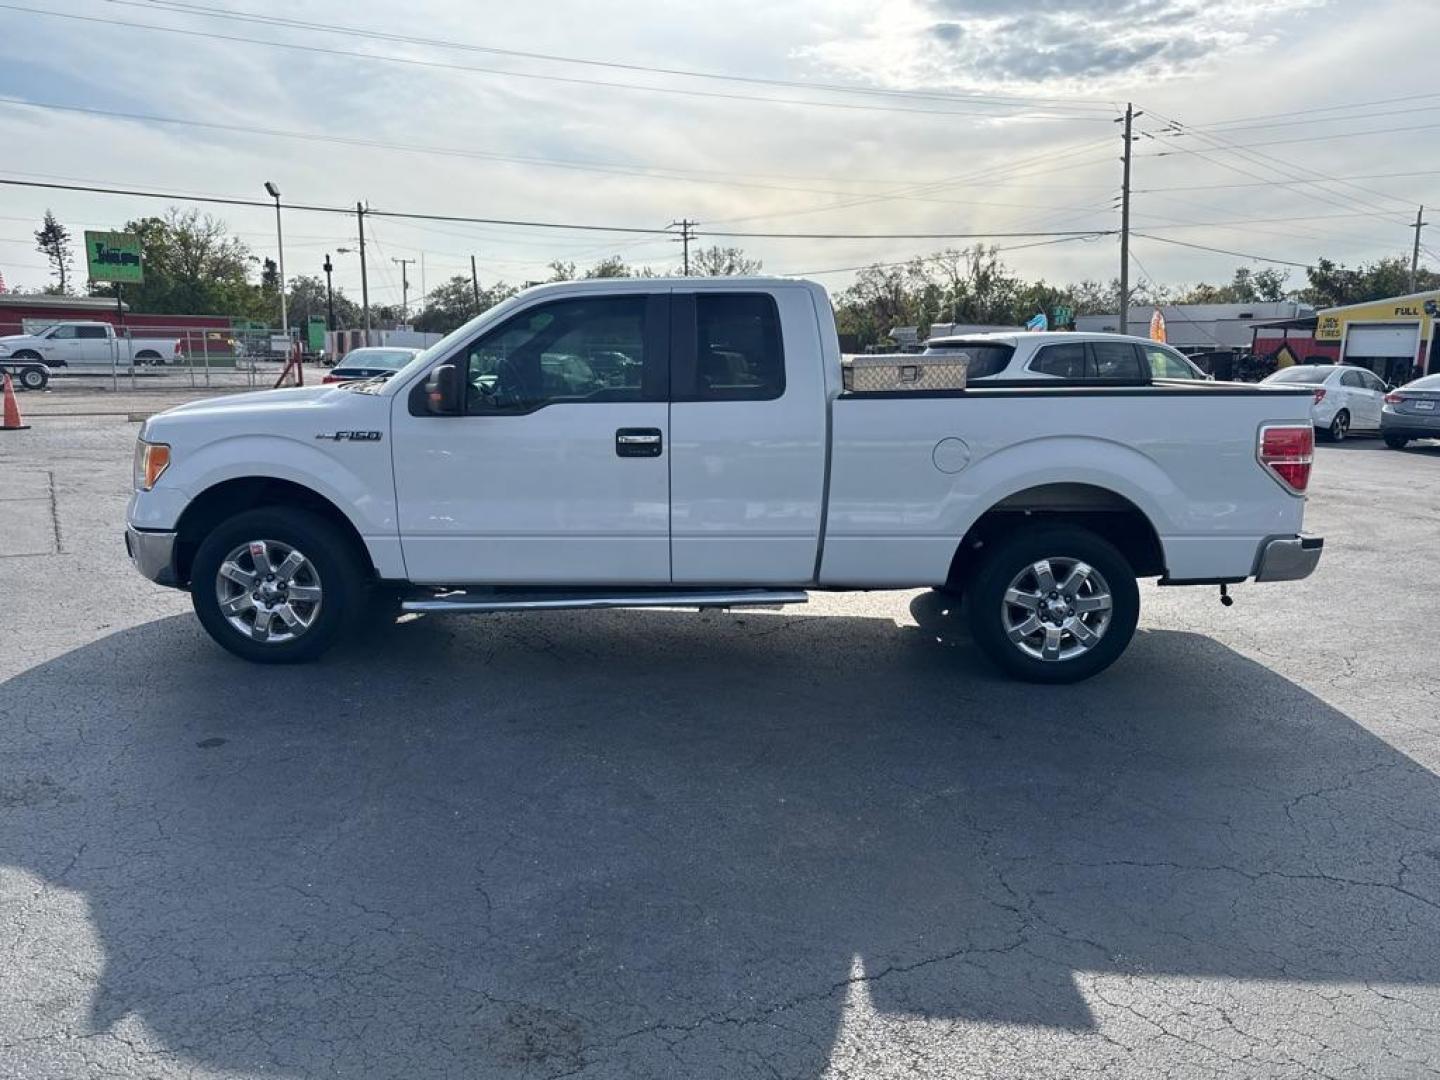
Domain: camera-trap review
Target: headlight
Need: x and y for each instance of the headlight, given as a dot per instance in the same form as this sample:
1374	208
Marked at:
151	460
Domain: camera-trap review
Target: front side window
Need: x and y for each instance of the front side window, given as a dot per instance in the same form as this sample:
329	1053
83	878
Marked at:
1372	381
63	333
1064	361
585	349
739	355
1116	360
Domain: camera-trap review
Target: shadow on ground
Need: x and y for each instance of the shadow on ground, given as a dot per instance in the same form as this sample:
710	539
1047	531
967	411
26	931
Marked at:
655	844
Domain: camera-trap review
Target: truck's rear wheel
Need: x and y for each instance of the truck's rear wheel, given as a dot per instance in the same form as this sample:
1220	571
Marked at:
277	585
1053	604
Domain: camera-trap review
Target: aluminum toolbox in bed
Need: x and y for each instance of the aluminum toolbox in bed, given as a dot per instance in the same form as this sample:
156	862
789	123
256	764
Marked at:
893	372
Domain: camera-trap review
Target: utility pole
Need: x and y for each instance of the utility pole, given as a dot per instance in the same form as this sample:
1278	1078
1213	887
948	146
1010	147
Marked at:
423	291
1415	252
329	292
1124	326
274	193
364	280
475	284
686	232
404	289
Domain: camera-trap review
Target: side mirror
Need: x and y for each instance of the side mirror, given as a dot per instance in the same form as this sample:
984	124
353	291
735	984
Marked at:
444	392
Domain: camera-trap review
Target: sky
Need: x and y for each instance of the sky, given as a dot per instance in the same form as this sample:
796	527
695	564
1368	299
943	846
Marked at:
987	117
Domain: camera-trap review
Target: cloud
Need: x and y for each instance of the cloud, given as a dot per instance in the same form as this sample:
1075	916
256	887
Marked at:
1058	44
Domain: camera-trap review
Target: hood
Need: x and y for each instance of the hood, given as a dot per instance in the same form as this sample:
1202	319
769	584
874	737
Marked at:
295	397
15	337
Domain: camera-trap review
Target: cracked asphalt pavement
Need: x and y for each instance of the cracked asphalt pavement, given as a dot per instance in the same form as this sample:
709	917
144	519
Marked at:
829	842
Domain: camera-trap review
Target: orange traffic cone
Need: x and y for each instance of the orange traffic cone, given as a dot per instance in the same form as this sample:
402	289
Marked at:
12	409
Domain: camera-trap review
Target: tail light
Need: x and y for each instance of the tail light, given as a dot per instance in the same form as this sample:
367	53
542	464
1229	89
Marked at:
1394	399
1286	451
331	378
1319	394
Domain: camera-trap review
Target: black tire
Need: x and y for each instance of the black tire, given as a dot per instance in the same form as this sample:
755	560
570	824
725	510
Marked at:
149	356
986	610
1396	442
34	378
335	562
1339	426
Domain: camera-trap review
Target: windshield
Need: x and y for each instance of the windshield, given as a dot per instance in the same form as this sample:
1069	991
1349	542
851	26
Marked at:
391	359
1307	374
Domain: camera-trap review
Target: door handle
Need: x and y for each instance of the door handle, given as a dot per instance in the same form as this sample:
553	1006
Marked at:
638	442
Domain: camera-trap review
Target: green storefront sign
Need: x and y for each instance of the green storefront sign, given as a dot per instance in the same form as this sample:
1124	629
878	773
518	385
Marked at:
114	257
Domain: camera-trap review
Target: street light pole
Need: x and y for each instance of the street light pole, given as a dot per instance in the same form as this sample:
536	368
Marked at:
280	243
329	292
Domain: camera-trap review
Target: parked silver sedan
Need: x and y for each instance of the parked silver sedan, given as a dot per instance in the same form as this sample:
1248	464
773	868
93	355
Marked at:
1411	411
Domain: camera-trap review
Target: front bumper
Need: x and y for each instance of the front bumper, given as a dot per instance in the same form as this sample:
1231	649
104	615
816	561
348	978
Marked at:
153	554
1288	558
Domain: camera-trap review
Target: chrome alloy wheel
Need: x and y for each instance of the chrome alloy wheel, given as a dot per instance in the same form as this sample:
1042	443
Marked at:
1056	609
268	591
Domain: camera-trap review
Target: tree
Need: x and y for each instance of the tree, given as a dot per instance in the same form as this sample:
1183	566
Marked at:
561	270
306	299
53	241
611	267
452	303
716	261
1332	285
194	267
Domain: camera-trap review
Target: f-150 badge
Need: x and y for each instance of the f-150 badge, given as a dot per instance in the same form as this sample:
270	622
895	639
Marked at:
350	436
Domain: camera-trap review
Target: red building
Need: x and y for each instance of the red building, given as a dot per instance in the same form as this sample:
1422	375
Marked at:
21	314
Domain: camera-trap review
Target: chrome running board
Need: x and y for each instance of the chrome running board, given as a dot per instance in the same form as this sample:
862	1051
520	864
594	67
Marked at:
572	599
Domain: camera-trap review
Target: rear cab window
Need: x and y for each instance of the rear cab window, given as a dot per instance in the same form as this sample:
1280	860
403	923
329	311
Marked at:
731	351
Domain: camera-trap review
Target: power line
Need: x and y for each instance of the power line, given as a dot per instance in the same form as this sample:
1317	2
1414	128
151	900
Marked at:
661	173
371	212
1071	233
1287	183
1313	120
1315	138
1327	108
231	15
314	209
565	79
934	258
1221	251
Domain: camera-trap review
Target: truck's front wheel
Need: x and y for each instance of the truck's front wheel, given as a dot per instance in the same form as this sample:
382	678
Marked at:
1053	604
276	585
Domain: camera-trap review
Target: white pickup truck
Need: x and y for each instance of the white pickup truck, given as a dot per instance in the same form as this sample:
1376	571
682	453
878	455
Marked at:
73	344
690	443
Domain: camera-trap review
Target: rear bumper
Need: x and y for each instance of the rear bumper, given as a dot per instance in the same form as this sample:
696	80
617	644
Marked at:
1288	558
153	554
1410	425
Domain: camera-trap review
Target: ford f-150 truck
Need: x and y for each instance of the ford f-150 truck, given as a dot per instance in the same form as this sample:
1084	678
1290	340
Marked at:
72	344
690	443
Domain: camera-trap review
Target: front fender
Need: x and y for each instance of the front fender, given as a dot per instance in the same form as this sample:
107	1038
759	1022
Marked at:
361	485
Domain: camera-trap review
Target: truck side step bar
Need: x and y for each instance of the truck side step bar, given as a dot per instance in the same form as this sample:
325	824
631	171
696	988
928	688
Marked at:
567	599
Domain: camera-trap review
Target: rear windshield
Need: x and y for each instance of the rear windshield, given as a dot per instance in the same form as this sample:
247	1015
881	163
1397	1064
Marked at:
986	358
1307	374
1429	382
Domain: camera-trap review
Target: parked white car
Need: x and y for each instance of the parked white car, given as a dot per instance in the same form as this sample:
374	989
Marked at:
73	344
689	443
1072	357
1346	398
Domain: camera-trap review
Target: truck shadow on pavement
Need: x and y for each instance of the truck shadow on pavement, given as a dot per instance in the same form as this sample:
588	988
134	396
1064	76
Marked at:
655	844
